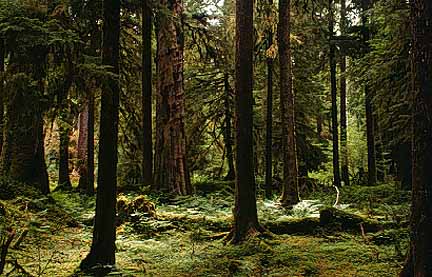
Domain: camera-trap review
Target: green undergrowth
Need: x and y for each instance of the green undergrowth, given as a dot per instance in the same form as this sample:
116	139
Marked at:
185	237
384	201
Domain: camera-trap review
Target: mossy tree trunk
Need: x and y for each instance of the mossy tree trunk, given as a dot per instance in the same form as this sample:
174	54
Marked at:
147	161
171	171
2	69
269	113
343	102
334	110
370	129
290	175
22	156
419	260
102	250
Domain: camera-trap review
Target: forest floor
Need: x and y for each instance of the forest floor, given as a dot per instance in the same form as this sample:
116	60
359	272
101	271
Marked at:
186	236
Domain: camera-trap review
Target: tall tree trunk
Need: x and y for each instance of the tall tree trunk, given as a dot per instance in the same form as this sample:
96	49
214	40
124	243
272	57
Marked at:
2	69
290	175
147	164
82	147
269	116
87	123
90	144
86	146
104	233
64	126
22	155
370	134
343	103
228	130
41	168
245	210
334	112
64	180
419	261
171	171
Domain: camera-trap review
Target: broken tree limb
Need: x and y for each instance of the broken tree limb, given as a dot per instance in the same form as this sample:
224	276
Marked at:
4	249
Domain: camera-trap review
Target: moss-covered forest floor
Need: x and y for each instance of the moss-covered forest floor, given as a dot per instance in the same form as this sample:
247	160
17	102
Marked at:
185	236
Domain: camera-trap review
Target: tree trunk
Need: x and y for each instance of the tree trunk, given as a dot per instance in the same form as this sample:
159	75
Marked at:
419	261
319	126
102	251
90	144
290	175
64	180
22	155
171	172
269	118
245	210
334	112
370	134
228	131
147	165
86	147
343	107
82	147
2	69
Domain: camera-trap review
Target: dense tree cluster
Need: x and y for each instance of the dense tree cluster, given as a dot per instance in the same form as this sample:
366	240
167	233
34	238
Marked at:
164	92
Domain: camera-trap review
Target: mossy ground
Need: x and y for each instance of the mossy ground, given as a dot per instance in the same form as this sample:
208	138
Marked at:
186	239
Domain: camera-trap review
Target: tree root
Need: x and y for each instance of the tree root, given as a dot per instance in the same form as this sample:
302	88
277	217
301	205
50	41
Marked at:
252	231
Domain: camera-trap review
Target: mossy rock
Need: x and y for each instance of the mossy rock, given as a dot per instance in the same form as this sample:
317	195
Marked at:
126	209
331	219
308	225
339	220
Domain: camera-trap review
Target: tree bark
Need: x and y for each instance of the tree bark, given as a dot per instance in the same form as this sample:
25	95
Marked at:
343	104
86	147
147	164
228	130
64	125
290	175
90	144
171	171
245	210
334	112
419	260
2	69
22	155
269	117
64	180
102	251
370	133
82	148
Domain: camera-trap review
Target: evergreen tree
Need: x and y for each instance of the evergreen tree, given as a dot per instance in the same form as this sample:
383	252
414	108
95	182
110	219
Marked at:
245	209
290	194
102	250
171	171
419	260
147	165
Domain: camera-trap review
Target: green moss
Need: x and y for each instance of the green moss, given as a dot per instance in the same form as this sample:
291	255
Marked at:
186	239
